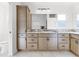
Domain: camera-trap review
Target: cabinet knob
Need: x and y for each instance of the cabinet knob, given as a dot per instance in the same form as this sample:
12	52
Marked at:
62	35
76	41
48	39
32	35
63	46
63	39
32	46
32	39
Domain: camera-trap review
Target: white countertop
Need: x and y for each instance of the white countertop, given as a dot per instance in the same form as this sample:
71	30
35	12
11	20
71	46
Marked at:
55	32
42	32
70	32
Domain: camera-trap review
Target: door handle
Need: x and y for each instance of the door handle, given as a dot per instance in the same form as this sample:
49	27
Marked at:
10	32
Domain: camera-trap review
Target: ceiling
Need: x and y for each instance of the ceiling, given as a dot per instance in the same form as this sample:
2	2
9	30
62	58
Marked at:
54	6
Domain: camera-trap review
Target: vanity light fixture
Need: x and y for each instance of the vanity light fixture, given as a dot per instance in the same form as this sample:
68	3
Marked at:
43	9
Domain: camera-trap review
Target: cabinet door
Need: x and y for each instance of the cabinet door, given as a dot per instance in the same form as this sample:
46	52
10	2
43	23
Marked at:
77	46
42	44
22	43
52	43
73	45
29	20
21	18
31	46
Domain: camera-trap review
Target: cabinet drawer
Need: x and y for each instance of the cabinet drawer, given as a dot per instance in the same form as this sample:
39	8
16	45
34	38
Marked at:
43	35
32	46
32	35
50	35
75	36
63	35
63	46
64	40
32	39
73	45
77	46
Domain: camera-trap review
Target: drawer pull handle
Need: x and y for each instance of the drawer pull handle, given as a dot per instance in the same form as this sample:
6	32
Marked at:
62	35
32	39
63	46
76	42
32	46
63	39
32	35
47	39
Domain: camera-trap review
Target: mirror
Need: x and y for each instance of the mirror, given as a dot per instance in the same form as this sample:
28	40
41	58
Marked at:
39	21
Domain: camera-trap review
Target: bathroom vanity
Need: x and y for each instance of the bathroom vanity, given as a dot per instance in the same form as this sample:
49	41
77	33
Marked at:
41	41
34	34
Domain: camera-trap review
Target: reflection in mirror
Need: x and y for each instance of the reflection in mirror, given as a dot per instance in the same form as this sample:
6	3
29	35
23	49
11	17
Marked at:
39	21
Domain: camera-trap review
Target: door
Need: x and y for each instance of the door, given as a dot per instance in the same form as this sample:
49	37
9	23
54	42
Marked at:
43	44
52	43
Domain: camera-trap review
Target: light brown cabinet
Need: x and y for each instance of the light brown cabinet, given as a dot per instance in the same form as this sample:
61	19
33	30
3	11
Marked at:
63	35
52	44
31	46
63	41
77	47
43	41
32	35
75	44
23	25
47	41
29	20
32	41
24	21
21	18
43	44
47	44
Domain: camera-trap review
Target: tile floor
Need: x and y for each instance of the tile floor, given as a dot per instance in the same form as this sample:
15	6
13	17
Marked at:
44	54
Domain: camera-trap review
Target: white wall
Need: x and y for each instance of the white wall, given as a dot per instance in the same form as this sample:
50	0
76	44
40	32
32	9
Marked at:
75	13
4	10
4	31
